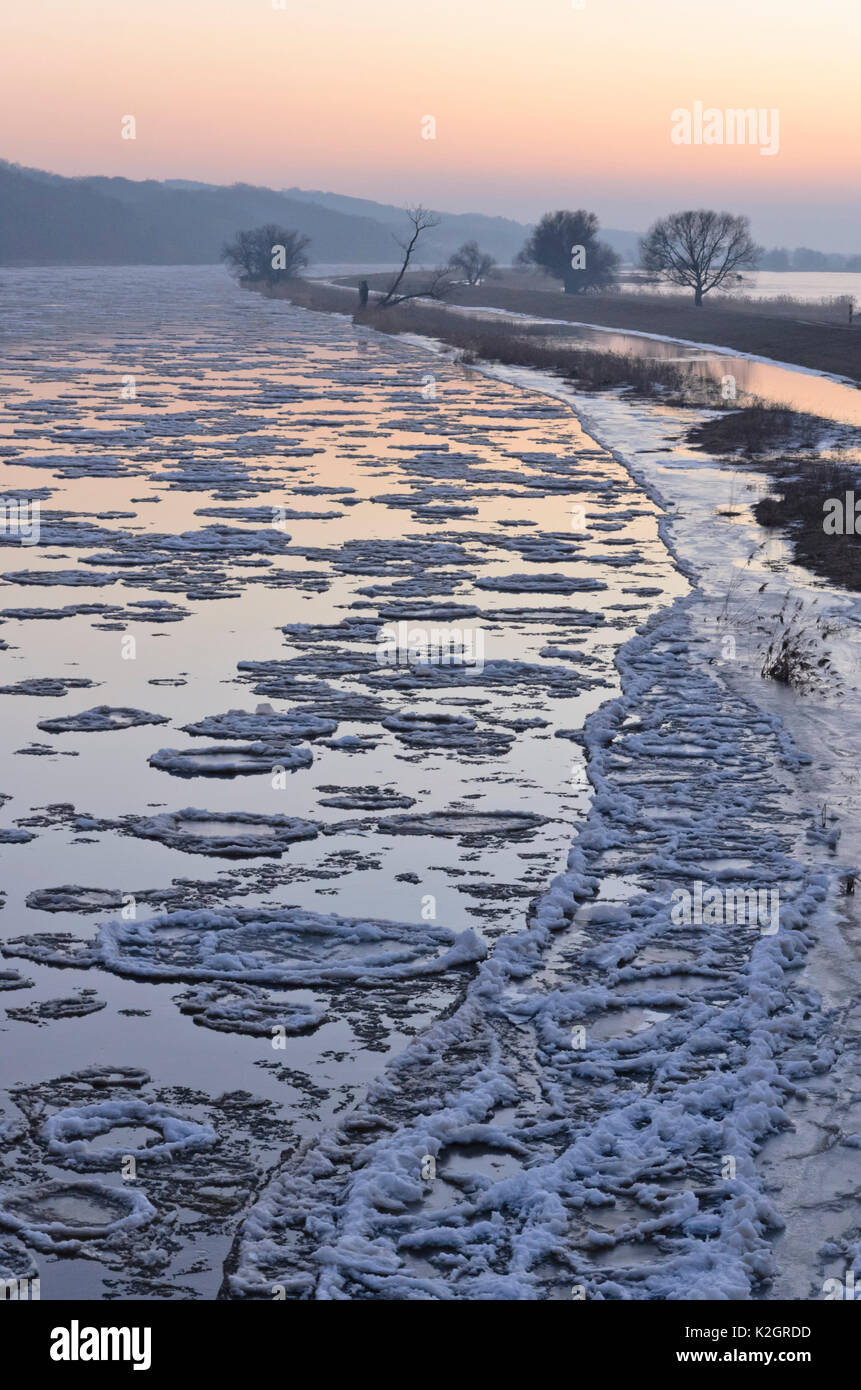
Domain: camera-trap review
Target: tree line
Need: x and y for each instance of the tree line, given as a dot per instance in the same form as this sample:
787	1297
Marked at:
805	258
698	249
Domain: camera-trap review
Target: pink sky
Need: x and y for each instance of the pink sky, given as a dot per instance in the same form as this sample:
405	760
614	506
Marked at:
537	103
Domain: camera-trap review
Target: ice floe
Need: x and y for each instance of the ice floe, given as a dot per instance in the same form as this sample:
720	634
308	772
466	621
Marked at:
233	835
224	760
100	719
69	1134
61	1217
238	1008
263	725
256	946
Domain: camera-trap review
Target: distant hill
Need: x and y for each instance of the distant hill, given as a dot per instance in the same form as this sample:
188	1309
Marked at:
47	219
500	236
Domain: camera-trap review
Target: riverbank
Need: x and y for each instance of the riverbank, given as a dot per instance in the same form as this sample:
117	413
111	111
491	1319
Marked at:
817	343
753	594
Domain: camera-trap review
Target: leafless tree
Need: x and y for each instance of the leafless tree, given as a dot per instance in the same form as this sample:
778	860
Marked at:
700	249
269	253
472	263
440	283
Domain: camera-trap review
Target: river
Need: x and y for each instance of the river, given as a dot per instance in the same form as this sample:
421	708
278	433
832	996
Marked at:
325	654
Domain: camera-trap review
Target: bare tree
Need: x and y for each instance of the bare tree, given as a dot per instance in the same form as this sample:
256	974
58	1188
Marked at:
267	253
241	254
473	263
700	249
440	283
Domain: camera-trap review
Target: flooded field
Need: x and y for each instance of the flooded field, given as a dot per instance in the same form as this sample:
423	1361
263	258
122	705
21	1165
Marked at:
772	382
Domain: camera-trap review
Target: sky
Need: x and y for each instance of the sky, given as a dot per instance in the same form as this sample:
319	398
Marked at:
534	104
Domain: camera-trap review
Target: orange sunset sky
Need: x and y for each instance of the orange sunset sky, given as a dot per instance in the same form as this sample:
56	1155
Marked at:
537	103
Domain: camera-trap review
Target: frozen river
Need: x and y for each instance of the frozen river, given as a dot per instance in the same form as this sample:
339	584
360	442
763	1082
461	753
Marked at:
244	507
305	992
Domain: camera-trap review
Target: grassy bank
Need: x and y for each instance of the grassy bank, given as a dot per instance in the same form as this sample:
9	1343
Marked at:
797	504
817	336
500	340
